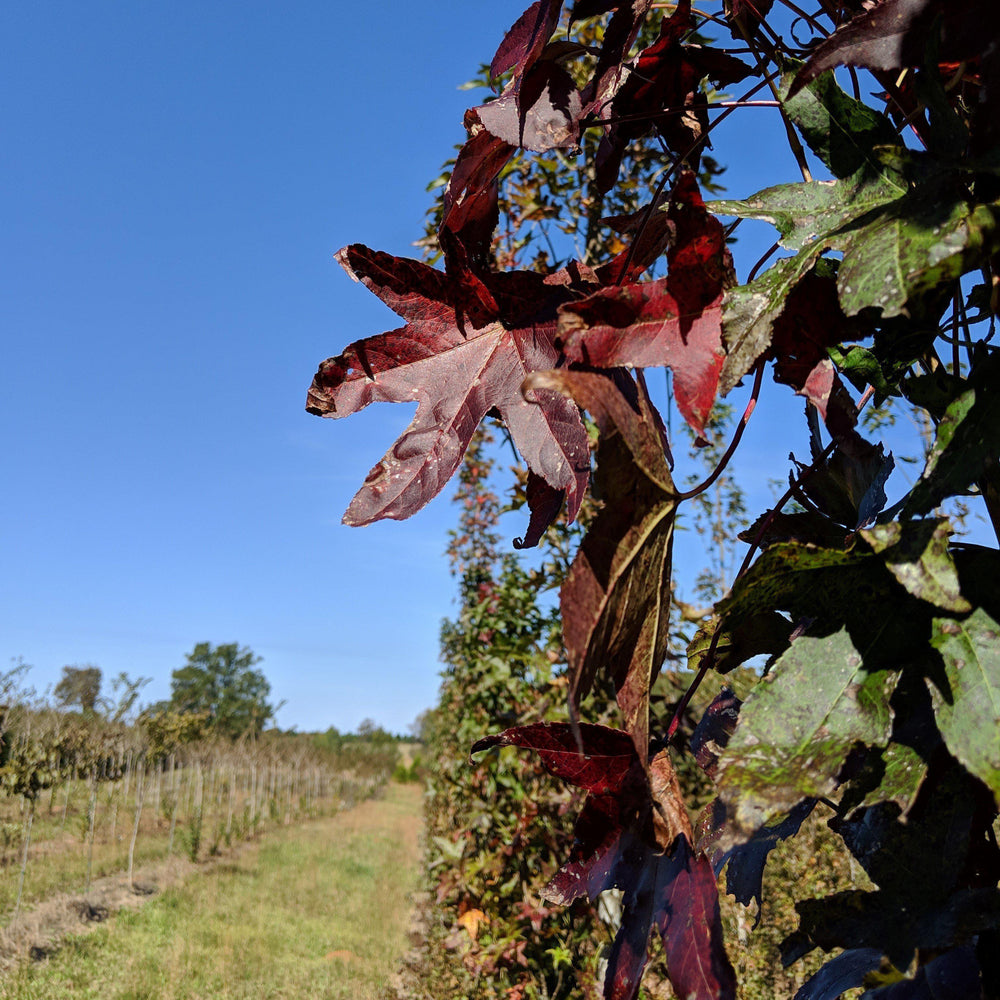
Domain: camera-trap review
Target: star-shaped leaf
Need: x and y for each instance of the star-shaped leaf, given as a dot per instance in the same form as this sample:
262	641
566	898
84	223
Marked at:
455	373
633	834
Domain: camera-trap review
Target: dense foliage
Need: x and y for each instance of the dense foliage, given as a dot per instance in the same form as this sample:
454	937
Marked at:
221	682
874	628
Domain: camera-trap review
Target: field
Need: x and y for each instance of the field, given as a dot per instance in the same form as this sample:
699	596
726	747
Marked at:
314	909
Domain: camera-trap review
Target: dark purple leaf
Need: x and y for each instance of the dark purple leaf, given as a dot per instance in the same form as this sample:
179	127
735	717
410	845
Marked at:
712	733
840	974
615	599
896	33
955	975
745	870
470	207
544	502
526	39
599	762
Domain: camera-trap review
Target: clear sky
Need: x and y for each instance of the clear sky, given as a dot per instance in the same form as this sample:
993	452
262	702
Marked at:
174	181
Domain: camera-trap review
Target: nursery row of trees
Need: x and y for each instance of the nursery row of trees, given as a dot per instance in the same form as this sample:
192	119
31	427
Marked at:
93	785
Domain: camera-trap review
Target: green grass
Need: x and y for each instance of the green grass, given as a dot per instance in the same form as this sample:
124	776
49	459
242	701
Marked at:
318	910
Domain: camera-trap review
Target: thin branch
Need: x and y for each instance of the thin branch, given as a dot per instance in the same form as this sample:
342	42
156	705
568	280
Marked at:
713	646
668	176
734	444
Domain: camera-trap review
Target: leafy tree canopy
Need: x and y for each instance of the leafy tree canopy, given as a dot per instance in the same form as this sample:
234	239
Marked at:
79	686
221	681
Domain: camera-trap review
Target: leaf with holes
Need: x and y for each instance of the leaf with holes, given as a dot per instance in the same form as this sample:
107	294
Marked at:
792	739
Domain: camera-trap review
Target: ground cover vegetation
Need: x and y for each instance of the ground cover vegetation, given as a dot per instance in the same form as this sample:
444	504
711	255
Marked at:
108	789
870	625
315	909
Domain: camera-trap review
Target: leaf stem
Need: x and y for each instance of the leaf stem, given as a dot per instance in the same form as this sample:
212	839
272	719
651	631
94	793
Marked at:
734	444
796	485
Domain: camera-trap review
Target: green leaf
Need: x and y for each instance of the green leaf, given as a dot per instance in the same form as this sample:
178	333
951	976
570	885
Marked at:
748	315
967	438
798	727
893	774
838	129
862	367
969	719
753	636
903	228
916	554
830	589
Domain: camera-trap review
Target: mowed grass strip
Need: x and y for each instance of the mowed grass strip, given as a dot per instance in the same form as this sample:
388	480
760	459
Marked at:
318	910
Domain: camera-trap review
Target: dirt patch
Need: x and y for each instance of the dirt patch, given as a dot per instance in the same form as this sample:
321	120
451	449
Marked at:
41	929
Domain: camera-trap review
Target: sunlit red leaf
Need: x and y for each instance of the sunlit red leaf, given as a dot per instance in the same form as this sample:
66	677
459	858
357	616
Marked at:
456	373
592	757
674	321
527	37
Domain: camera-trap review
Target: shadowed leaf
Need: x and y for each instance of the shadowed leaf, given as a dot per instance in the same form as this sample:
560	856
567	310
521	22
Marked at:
793	739
916	553
616	598
970	719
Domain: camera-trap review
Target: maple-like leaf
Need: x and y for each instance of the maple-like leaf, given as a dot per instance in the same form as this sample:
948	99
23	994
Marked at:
903	223
526	39
955	975
969	714
916	553
633	834
966	442
540	112
663	91
840	974
455	373
791	743
616	598
673	321
470	207
593	757
714	728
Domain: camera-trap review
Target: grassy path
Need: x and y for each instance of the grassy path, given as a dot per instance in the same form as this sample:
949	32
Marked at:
318	910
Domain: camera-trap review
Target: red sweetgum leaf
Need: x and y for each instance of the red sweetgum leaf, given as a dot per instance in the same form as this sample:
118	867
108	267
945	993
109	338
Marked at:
616	597
674	321
639	325
599	761
544	502
664	88
455	374
634	834
527	37
470	206
673	891
543	112
621	32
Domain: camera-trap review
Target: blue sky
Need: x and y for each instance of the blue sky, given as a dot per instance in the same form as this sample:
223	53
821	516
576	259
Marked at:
175	180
